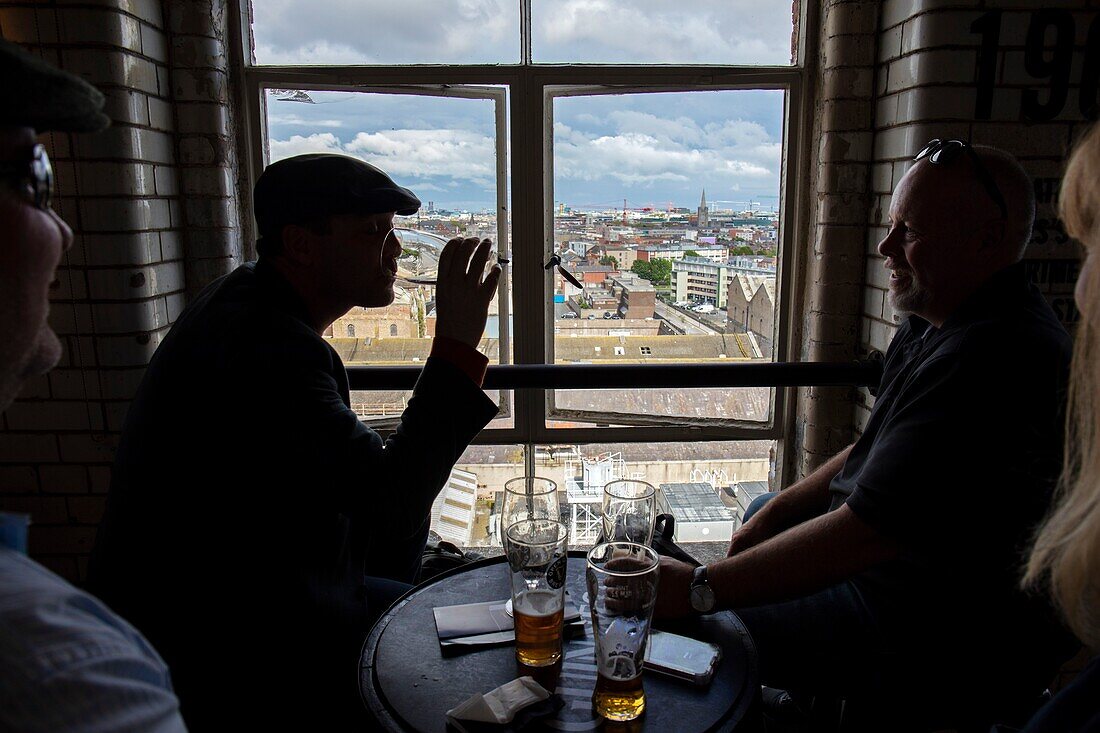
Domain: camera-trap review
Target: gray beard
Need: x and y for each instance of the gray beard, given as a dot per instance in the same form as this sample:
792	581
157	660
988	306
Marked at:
911	299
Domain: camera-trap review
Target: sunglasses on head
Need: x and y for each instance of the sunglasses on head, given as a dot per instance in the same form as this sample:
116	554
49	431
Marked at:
37	172
942	152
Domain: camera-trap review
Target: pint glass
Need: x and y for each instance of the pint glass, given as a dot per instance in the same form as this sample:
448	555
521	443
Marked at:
527	497
629	511
537	559
622	590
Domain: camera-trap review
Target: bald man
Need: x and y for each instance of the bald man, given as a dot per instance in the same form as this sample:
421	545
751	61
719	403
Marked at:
890	575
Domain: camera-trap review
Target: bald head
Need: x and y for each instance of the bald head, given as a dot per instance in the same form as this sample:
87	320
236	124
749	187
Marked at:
948	234
1019	195
957	188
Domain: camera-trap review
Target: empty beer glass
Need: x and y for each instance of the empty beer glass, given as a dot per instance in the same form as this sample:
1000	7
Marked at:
418	262
629	511
622	590
527	497
537	558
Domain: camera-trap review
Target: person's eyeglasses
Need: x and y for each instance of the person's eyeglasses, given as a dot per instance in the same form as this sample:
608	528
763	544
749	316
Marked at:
37	172
942	152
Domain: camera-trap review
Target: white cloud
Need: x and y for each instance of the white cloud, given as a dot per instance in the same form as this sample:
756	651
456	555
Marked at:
461	155
655	31
487	31
312	52
280	119
645	148
458	154
323	142
358	32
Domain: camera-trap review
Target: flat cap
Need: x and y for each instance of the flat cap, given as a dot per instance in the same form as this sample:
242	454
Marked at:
38	95
302	189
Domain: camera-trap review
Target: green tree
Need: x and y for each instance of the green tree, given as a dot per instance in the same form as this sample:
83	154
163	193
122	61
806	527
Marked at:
657	272
642	269
691	253
662	269
609	261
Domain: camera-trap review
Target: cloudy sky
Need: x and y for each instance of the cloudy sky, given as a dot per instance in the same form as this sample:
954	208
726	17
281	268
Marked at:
651	149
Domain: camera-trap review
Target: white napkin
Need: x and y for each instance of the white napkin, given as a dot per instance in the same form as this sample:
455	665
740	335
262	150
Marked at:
501	704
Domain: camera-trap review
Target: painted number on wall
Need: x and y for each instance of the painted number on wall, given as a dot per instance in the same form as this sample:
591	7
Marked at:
1050	65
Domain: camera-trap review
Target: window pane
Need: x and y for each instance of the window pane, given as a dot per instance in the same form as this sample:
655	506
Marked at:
742	32
444	150
461	513
705	485
381	32
667	214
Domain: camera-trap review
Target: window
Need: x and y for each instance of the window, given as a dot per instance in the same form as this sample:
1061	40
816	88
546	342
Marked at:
704	485
659	162
351	330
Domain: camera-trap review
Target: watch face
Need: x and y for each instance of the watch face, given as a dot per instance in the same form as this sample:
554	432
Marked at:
702	598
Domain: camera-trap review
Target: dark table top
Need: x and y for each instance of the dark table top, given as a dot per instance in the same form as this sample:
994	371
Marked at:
408	685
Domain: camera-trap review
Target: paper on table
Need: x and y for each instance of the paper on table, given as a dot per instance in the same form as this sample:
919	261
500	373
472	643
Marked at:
500	705
461	644
473	619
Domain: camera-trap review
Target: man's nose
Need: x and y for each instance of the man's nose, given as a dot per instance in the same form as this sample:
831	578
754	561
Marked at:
393	244
886	245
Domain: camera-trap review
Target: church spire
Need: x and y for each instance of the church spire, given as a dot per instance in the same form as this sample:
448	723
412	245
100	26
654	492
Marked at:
703	215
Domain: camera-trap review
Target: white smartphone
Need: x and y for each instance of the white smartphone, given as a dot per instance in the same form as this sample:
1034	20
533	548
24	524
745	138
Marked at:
681	657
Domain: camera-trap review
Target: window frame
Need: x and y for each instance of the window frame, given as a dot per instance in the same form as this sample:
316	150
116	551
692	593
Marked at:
529	109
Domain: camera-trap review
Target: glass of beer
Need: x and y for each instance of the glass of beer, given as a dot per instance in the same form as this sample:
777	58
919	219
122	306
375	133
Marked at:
537	557
418	262
629	511
622	591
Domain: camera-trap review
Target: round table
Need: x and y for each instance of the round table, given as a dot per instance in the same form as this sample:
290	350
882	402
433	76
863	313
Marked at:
408	685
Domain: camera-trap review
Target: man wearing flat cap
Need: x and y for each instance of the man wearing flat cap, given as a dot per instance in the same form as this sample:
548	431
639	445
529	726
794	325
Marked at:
67	662
255	527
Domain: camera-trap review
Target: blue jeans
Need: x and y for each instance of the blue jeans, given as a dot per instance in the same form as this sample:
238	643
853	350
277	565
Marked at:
823	643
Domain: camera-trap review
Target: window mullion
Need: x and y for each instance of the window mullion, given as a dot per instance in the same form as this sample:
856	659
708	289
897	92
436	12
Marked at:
525	31
528	245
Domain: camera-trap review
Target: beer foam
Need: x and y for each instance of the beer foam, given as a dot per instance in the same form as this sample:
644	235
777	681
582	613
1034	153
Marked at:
538	602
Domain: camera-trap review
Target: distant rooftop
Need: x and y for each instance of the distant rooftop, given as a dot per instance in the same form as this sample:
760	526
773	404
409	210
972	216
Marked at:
695	502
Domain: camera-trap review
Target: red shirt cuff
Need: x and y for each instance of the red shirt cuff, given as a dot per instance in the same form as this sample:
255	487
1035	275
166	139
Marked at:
467	359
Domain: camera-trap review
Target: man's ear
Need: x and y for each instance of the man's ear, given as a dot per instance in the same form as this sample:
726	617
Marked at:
298	244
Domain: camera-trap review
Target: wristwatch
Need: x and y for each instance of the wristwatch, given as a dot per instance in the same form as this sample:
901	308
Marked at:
702	595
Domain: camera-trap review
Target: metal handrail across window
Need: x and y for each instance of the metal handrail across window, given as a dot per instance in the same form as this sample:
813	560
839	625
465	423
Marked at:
862	373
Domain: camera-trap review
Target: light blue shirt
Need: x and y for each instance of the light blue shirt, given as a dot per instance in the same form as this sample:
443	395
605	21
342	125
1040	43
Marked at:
67	663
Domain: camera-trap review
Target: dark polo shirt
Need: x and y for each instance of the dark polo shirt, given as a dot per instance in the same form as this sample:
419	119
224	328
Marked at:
958	462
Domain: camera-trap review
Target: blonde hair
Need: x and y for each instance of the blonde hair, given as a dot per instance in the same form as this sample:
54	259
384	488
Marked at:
1065	558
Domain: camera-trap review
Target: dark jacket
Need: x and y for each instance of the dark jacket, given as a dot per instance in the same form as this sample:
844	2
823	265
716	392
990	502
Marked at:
248	501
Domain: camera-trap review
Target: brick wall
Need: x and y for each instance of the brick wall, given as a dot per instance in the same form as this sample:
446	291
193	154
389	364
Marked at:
151	221
206	122
841	172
